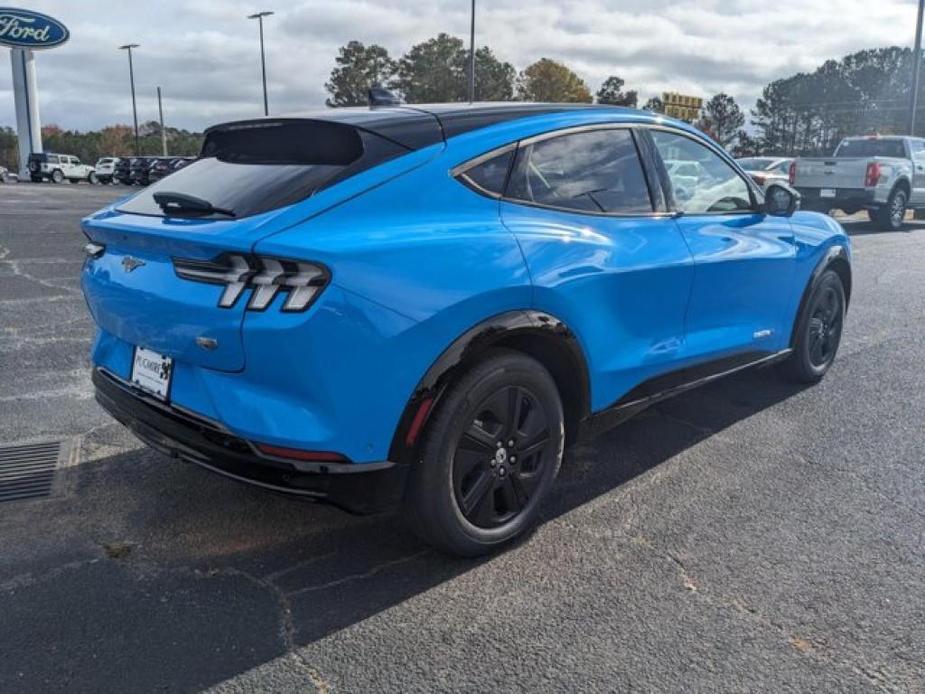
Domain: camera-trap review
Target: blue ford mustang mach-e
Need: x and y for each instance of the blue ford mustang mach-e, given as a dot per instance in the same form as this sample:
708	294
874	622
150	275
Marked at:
423	305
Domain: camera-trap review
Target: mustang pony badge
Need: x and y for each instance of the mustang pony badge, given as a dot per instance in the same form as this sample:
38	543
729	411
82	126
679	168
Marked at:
129	263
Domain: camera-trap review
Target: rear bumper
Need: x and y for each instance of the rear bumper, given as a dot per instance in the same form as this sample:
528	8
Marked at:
174	431
844	198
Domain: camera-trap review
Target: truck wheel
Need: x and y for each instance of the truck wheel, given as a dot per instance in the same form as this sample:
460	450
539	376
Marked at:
57	176
818	331
491	452
893	213
92	179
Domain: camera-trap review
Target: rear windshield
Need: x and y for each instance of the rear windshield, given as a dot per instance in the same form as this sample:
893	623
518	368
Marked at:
871	148
256	166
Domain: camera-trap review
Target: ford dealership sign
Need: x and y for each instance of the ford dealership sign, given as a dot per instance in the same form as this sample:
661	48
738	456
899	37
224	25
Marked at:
27	29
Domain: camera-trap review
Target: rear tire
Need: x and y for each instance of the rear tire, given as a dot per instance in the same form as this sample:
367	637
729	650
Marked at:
893	213
490	454
92	179
818	331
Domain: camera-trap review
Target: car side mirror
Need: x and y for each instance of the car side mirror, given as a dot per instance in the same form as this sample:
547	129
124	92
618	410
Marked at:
780	200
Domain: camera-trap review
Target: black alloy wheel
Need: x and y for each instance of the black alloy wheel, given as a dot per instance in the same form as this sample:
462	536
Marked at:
825	326
490	453
818	331
501	456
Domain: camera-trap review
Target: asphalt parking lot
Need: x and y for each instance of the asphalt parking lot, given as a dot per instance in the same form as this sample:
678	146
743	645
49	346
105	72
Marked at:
751	535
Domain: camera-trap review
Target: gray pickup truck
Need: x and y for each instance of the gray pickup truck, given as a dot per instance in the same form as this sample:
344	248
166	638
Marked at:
883	175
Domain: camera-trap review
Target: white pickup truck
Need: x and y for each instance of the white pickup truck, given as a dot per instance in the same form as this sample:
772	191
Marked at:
883	175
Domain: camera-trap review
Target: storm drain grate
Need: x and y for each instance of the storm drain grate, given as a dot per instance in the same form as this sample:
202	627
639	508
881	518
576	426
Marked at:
28	471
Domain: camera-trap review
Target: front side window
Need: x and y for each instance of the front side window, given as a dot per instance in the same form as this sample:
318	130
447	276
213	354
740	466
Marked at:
701	181
597	171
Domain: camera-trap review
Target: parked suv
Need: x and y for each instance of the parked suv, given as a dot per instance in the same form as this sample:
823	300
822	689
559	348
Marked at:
423	306
105	168
883	175
58	167
140	170
122	172
164	166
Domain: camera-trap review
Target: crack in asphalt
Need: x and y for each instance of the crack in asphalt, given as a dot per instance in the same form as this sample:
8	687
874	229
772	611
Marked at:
15	265
359	576
873	675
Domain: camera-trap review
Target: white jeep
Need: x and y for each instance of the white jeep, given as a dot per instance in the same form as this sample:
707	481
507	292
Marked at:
58	167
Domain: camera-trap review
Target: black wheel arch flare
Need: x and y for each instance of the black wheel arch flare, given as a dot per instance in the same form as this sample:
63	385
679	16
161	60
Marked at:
835	258
536	333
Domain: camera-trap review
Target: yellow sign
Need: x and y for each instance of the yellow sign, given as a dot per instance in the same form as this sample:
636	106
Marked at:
682	106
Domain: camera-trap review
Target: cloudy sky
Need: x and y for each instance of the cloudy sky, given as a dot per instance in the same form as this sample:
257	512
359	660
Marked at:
204	54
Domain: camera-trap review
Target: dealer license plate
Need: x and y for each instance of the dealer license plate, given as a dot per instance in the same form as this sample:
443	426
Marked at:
152	371
827	193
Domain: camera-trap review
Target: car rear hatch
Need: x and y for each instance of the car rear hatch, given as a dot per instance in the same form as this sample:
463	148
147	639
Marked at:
252	173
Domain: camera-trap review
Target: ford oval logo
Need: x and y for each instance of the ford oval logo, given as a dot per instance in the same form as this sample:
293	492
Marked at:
27	29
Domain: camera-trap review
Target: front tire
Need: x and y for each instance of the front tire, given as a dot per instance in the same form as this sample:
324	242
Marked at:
892	215
818	332
92	179
57	176
490	454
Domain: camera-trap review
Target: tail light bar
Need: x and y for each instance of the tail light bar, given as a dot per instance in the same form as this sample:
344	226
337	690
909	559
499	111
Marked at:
267	277
872	177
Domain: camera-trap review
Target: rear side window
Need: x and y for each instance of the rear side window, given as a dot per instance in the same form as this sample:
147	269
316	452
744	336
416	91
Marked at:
597	171
256	166
489	176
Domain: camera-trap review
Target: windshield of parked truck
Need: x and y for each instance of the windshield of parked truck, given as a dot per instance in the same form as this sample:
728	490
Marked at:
872	147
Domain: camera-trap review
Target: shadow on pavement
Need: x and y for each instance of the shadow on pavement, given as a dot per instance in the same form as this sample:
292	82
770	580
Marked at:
863	227
180	579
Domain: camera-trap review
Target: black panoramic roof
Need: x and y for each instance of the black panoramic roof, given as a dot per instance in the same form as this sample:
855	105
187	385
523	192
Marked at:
415	126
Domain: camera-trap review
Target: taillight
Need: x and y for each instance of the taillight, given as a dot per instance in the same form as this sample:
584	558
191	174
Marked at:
792	173
267	277
873	175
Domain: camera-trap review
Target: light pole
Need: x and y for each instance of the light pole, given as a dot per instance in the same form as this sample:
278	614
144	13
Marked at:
263	61
916	67
131	75
472	55
160	113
